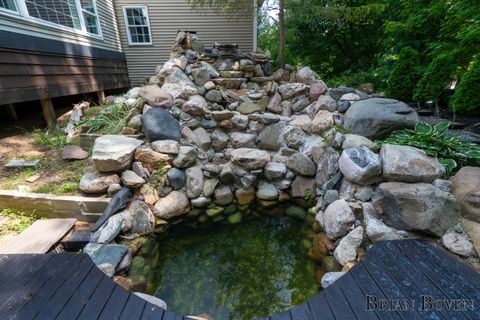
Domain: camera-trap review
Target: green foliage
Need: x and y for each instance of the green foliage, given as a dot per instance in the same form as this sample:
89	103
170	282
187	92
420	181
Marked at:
467	95
53	139
15	221
108	120
404	76
451	152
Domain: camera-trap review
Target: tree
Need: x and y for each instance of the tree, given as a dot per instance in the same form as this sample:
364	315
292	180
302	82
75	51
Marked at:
405	75
467	95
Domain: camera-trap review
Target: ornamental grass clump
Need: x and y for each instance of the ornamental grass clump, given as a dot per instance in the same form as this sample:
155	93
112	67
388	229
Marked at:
452	152
108	120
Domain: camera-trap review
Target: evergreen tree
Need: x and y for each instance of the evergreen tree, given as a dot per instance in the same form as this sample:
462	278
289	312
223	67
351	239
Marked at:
467	94
405	75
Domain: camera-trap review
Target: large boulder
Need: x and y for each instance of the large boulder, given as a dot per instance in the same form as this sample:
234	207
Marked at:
377	230
291	90
112	153
269	138
322	122
301	164
419	207
346	251
250	159
173	205
143	220
96	182
378	117
155	96
409	164
159	124
196	105
360	165
466	188
337	219
307	76
177	76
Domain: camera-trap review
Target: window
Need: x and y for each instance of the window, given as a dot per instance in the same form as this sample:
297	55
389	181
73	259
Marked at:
8	4
74	14
137	24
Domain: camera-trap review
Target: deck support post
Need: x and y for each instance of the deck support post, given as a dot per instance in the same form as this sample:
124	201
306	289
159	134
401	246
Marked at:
48	111
101	96
12	112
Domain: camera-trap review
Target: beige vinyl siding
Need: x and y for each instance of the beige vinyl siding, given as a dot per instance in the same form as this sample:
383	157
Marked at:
108	25
169	16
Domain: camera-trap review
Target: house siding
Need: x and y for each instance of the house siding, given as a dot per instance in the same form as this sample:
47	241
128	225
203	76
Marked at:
169	16
108	25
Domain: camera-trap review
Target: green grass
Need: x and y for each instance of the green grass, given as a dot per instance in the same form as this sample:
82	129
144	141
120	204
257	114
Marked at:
11	182
54	140
15	221
105	120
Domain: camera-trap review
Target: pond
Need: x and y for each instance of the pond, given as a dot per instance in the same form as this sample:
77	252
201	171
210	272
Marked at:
251	269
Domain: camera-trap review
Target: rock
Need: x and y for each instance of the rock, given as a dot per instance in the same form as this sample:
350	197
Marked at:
74	152
202	138
466	188
186	157
267	191
458	243
200	76
113	153
269	138
214	96
153	300
125	283
444	185
240	121
105	253
360	165
250	159
176	178
337	219
296	212
194	182
377	230
166	146
326	103
235	218
243	140
110	230
350	97
150	195
472	229
211	70
113	189
163	70
210	85
159	124
219	139
306	76
131	179
96	182
245	196
330	196
274	105
420	206
303	187
317	89
229	83
274	170
346	251
291	90
301	164
143	220
107	269
223	196
227	175
330	277
177	91
150	159
196	106
222	115
248	107
409	164
209	187
155	96
356	141
327	165
177	76
294	137
200	202
342	106
300	104
173	205
322	122
377	117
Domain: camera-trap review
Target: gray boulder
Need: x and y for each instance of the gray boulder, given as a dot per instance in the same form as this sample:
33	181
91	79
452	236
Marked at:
155	96
458	243
114	153
330	277
176	178
105	253
159	124
409	164
173	205
360	165
186	157
337	219
96	182
346	251
269	138
378	117
420	207
143	220
194	182
301	164
250	159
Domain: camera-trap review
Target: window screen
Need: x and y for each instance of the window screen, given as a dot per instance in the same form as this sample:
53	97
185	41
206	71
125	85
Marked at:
137	25
63	12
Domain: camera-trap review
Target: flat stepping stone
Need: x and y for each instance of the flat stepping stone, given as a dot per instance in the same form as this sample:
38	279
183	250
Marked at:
39	237
76	240
22	164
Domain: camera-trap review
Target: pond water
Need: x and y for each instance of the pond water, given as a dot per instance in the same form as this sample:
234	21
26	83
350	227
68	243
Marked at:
251	269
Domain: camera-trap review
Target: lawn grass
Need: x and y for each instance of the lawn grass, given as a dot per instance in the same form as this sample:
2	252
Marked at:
12	222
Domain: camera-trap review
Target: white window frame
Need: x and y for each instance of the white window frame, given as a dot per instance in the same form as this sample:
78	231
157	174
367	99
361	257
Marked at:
129	36
22	14
9	10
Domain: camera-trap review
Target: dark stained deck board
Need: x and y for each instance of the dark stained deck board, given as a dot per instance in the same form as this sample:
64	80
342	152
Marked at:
70	286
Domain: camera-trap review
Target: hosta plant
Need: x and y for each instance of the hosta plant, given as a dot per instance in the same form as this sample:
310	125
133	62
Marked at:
452	152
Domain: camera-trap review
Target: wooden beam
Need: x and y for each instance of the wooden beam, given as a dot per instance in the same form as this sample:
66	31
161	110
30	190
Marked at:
101	96
12	112
48	111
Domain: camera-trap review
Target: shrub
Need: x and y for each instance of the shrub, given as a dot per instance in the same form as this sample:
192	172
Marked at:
404	76
451	152
467	94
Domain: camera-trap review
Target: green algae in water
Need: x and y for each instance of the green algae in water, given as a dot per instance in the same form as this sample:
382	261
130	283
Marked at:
248	270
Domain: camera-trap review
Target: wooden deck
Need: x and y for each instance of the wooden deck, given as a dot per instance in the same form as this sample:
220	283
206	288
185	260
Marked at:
69	286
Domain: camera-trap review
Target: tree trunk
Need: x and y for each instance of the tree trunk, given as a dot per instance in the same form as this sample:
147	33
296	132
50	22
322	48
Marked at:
281	25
